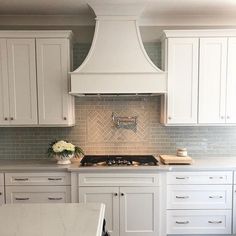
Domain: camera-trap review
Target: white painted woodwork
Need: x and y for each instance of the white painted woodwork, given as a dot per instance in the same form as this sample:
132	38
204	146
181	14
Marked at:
182	99
1	179
4	85
38	194
234	210
38	178
22	81
139	211
212	80
56	106
199	197
2	195
199	222
200	177
118	179
231	82
234	177
110	197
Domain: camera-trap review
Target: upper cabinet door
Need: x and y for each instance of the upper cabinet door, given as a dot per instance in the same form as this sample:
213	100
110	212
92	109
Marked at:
182	80
53	65
212	80
4	88
22	81
231	82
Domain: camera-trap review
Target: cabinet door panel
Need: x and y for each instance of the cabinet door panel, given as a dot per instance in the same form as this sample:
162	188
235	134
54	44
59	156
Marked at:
4	86
53	62
139	211
231	82
110	197
182	80
22	81
212	80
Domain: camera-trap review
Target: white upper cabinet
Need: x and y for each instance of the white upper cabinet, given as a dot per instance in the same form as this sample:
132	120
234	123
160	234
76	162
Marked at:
182	64
231	82
22	81
4	87
53	65
212	80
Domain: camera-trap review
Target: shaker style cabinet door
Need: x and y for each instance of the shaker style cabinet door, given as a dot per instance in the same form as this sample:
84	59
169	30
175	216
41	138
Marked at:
139	209
182	81
22	81
4	85
231	82
110	197
53	64
212	80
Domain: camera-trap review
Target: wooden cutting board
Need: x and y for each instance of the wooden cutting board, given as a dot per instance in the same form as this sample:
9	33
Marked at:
172	159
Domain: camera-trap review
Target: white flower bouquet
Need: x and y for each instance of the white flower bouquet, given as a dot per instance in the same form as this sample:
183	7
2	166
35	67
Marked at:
63	151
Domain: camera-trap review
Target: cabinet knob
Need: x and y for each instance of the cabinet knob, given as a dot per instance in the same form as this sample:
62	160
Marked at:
222	117
169	118
115	194
11	118
64	118
228	117
5	118
122	194
0	193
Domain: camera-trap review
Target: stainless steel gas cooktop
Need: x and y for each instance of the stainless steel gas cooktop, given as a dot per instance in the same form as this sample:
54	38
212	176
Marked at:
119	160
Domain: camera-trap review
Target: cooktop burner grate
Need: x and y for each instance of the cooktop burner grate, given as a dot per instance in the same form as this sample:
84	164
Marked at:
119	160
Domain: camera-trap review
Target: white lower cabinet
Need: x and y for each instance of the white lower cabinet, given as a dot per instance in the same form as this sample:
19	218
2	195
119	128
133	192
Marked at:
130	210
234	209
199	222
2	192
37	194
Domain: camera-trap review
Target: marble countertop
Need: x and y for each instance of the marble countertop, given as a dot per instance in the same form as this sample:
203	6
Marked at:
207	163
65	219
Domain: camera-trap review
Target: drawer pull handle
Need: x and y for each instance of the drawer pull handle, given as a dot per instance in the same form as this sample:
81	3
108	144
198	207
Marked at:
215	177
182	197
181	177
182	222
21	179
54	179
55	198
214	222
22	198
216	197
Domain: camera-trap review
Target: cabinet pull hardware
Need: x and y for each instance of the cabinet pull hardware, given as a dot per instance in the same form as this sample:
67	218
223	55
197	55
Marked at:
182	197
228	117
217	197
222	117
122	194
22	198
169	118
215	222
64	118
215	177
181	177
0	193
21	179
5	118
11	118
54	178
55	198
182	222
115	194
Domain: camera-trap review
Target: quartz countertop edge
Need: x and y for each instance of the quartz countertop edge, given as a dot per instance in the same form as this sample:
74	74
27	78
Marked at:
200	164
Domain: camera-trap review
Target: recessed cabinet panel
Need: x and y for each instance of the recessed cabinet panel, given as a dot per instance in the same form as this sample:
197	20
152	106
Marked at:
4	85
182	80
110	197
231	82
139	211
22	81
53	65
212	80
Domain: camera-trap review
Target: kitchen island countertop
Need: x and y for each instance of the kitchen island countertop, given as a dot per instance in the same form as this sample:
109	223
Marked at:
68	219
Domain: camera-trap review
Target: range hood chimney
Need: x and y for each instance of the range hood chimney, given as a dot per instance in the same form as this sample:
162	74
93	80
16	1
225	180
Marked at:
117	62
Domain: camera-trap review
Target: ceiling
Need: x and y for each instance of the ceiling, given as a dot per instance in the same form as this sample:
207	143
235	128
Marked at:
155	11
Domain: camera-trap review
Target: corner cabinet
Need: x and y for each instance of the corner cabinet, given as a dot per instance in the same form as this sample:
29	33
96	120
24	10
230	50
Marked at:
34	79
128	198
201	77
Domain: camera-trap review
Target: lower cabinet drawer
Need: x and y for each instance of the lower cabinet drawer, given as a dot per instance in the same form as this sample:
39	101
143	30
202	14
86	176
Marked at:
199	197
37	194
199	222
2	198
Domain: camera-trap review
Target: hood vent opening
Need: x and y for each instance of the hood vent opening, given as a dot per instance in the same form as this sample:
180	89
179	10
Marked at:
117	62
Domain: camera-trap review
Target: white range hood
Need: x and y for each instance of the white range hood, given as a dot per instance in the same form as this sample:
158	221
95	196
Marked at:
117	62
